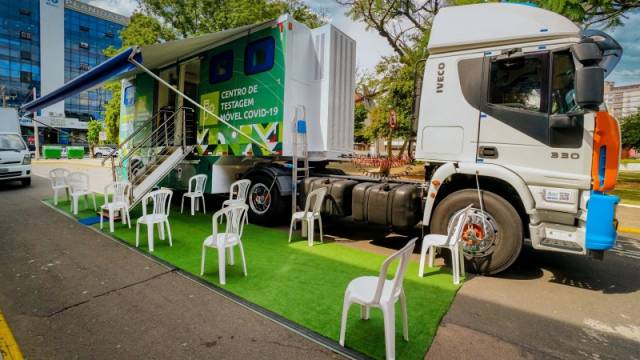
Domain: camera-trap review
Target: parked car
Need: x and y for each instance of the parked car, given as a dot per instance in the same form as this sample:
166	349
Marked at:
15	159
102	151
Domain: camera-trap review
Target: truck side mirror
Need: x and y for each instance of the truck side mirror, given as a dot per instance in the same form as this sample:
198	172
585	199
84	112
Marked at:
589	85
589	81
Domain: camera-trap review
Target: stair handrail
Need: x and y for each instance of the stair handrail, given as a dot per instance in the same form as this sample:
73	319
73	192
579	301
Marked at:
161	127
121	145
134	133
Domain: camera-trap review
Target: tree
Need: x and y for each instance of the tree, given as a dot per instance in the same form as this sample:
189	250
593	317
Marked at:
602	12
195	17
93	134
360	116
630	131
141	30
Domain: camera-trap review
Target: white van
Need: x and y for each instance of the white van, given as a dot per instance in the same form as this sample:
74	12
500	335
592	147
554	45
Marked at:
15	158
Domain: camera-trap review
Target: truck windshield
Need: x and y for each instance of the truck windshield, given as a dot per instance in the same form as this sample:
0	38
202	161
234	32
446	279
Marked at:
11	142
562	84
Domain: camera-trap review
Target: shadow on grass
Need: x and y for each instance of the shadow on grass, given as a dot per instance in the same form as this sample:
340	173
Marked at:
303	284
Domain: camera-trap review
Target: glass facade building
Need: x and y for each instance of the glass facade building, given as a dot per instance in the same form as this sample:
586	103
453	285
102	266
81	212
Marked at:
85	39
87	32
19	51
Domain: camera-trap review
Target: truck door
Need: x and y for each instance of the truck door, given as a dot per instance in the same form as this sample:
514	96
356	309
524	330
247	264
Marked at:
529	121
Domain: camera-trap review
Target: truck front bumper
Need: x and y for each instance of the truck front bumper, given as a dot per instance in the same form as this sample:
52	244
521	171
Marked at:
14	172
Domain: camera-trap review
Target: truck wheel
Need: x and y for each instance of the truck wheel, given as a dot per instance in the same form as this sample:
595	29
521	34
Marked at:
492	242
26	182
266	205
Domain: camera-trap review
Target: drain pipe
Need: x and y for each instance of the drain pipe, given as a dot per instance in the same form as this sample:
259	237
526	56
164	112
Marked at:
195	103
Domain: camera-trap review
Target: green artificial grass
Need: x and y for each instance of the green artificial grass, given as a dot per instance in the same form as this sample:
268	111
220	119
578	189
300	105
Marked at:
303	284
628	187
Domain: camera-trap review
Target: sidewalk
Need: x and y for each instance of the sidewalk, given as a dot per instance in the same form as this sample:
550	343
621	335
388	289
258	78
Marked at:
629	221
100	176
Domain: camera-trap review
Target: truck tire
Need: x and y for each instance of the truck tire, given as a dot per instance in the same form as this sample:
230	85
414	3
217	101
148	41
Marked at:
499	250
26	182
266	207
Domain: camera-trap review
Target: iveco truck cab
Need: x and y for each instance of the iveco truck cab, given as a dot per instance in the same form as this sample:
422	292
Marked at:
512	95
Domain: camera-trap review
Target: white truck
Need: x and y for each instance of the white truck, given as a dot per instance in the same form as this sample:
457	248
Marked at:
513	101
15	158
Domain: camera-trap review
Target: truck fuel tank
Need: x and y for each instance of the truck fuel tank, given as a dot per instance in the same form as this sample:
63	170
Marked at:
396	205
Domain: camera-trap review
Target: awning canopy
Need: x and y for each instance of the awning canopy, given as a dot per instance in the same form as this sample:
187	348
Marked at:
99	74
155	56
161	55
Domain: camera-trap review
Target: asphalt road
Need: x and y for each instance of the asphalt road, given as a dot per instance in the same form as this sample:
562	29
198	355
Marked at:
551	306
68	292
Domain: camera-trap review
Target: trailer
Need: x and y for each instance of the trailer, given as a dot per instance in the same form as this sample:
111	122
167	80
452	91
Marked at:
254	78
511	120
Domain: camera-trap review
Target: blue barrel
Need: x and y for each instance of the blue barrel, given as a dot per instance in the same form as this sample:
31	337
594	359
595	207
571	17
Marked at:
601	229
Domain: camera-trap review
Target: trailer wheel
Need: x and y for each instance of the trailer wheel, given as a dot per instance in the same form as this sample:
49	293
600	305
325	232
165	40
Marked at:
492	242
266	204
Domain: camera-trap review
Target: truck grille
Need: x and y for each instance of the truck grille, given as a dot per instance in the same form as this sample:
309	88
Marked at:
10	162
10	174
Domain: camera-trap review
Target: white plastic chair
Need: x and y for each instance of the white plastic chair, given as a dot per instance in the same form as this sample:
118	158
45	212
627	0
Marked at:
79	186
378	291
451	241
119	202
197	193
238	194
311	213
232	236
58	179
160	215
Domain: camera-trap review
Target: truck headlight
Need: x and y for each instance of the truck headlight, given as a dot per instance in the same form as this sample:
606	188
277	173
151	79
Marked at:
26	160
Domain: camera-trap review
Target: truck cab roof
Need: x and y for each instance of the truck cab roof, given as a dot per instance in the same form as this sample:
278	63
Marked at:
457	28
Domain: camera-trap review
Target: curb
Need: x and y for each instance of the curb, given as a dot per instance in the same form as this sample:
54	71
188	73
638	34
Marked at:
64	161
629	230
629	206
9	349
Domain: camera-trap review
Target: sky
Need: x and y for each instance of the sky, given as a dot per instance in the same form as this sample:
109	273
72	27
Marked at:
628	35
371	46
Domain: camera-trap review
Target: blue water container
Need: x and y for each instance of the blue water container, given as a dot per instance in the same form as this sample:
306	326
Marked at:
601	229
301	126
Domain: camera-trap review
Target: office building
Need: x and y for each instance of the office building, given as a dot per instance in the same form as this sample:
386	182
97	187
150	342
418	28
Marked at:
43	44
622	101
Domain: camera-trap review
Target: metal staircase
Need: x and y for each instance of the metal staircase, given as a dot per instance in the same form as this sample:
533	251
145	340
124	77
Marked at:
152	151
299	154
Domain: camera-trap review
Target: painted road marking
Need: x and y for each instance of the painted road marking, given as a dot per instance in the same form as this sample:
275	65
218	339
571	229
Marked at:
9	349
629	230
